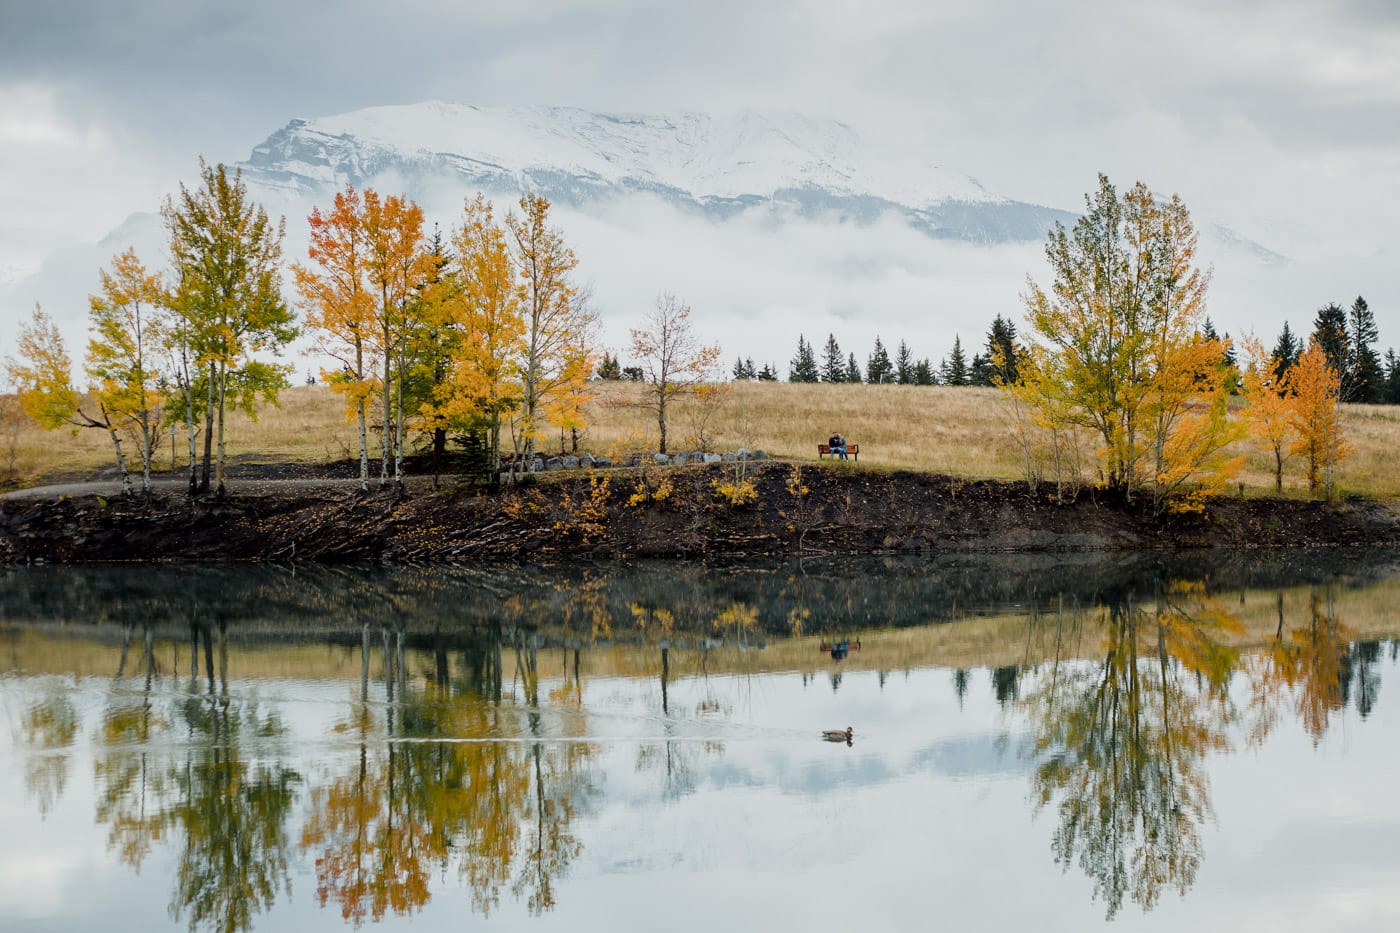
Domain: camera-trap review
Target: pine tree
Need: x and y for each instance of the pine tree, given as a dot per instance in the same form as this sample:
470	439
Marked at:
1392	378
1208	329
1002	352
981	373
853	372
904	365
1286	351
769	373
923	373
803	367
954	367
833	365
610	368
749	371
879	368
1330	332
1367	377
743	368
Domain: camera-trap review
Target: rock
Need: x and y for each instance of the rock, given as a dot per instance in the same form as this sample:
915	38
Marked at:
571	462
742	453
713	458
602	462
586	461
662	459
679	460
554	463
760	455
536	465
729	457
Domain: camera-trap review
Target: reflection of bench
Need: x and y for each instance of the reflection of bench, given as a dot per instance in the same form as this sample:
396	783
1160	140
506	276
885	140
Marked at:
852	451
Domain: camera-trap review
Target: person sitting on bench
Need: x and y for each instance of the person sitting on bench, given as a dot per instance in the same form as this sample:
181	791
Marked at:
837	445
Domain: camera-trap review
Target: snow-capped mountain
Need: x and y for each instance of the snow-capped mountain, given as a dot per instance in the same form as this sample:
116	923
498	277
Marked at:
717	166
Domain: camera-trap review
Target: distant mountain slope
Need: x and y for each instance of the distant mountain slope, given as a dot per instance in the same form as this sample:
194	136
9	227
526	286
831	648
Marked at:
785	163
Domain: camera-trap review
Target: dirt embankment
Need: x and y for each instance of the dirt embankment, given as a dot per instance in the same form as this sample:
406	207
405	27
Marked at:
623	514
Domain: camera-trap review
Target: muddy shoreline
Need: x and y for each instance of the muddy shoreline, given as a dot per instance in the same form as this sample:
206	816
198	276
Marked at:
624	514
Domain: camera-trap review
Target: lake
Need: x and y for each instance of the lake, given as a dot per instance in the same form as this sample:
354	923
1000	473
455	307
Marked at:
1052	742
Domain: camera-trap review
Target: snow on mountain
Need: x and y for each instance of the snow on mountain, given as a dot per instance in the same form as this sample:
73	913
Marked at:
719	166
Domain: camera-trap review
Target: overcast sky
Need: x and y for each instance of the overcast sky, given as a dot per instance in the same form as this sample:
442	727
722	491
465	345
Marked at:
1280	119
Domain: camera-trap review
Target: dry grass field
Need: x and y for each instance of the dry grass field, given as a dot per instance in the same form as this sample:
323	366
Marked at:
961	431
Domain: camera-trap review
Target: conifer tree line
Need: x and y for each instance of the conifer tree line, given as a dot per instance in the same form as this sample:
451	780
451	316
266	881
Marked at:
480	331
995	365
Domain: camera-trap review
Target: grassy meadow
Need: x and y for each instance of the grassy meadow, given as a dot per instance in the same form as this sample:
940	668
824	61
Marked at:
962	431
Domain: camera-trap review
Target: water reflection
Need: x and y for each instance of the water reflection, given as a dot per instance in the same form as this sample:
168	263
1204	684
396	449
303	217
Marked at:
473	753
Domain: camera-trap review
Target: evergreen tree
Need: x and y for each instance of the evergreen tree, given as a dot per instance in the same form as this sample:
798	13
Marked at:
904	365
1003	354
853	373
954	366
833	364
879	368
1367	377
1208	329
923	373
981	373
768	373
744	369
1330	331
803	367
1286	351
1231	358
610	368
1392	378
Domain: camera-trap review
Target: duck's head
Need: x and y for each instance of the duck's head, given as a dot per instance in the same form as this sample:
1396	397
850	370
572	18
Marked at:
849	732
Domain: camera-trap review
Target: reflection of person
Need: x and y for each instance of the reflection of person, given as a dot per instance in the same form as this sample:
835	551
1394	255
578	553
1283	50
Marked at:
837	445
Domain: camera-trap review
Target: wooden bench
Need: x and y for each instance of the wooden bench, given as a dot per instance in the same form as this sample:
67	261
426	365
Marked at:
852	451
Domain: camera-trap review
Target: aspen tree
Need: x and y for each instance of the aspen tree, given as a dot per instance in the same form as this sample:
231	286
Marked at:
43	376
393	229
124	348
558	322
340	307
672	358
227	256
1316	418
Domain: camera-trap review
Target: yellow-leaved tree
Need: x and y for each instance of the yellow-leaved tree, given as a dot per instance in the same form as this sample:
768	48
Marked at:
43	377
558	322
1119	335
484	302
1270	402
340	307
1316	418
123	351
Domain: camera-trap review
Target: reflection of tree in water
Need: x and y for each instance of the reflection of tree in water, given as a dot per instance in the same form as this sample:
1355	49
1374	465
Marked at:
229	812
441	786
1121	745
48	726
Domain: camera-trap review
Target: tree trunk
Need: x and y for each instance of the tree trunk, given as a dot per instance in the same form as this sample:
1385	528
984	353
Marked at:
189	428
121	462
661	418
384	435
398	433
439	448
208	430
146	455
219	463
364	446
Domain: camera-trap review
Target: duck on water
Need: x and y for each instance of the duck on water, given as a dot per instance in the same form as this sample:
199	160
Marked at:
836	735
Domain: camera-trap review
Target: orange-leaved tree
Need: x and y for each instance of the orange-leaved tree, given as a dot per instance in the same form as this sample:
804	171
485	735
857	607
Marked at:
397	267
671	357
123	351
1316	419
1270	402
340	307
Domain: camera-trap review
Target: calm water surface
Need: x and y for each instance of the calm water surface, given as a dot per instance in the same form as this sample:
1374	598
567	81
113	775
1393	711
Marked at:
1040	743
